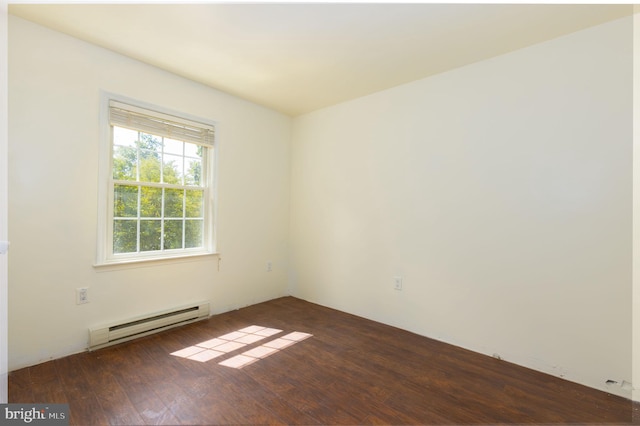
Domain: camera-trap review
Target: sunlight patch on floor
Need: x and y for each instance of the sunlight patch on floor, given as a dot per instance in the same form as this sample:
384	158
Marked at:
266	349
219	346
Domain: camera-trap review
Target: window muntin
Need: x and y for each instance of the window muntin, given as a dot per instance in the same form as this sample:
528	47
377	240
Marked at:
160	186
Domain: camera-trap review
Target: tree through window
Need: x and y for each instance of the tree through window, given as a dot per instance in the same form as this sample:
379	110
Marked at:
160	184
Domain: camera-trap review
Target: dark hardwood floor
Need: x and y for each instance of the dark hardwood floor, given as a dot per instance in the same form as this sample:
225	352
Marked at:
351	371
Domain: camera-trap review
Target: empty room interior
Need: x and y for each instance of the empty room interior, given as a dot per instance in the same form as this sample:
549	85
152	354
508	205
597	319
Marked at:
299	213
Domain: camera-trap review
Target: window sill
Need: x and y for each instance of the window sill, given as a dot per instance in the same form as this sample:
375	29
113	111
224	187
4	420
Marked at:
119	264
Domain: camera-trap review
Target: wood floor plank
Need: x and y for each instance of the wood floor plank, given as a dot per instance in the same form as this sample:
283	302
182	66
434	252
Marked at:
84	407
181	406
46	385
351	371
19	389
156	413
112	397
130	374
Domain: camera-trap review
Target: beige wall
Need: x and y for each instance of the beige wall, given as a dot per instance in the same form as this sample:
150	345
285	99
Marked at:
55	84
501	192
636	206
3	201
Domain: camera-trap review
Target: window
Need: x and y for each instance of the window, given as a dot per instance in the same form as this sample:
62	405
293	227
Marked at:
159	200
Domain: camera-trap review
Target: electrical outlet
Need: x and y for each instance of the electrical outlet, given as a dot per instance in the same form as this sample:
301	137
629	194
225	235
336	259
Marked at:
82	295
397	283
269	266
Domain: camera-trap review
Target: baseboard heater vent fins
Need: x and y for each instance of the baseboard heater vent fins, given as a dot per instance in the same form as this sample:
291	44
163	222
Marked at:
133	328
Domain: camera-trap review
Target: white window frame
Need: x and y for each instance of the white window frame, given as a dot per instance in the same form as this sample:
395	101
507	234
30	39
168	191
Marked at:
104	252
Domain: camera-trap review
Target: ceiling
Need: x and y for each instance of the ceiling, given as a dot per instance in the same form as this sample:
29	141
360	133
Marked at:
299	57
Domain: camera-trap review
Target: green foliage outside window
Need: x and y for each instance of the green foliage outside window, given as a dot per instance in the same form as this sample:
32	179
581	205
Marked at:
158	199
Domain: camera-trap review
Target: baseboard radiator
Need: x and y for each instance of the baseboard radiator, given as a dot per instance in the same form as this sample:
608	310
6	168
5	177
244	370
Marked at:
133	328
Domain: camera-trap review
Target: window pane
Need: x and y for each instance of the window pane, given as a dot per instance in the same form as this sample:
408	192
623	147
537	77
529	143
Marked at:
192	150
124	236
173	202
149	166
193	233
150	143
173	169
125	137
172	234
193	174
125	163
150	154
172	146
150	233
193	203
125	201
150	202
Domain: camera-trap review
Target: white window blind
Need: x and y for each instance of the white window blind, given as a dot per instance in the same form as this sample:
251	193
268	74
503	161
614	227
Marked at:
159	124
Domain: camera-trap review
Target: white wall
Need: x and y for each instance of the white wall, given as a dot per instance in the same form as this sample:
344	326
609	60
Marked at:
500	191
636	206
55	83
3	200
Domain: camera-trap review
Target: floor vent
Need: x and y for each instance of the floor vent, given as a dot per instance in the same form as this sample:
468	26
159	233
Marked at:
133	328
